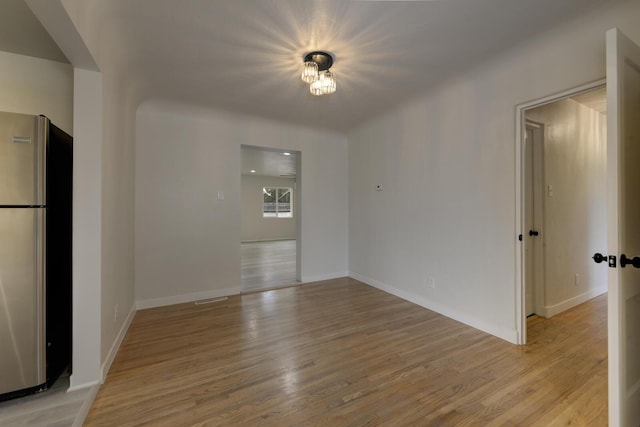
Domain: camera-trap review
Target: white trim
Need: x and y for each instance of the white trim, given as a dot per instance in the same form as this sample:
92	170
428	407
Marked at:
81	416
321	277
506	334
116	344
552	310
521	328
179	299
282	239
82	386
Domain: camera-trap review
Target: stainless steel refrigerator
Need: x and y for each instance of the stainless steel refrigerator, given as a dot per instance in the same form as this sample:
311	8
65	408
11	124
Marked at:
36	160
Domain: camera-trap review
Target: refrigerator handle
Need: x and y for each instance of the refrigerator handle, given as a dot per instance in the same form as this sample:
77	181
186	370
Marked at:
42	135
41	285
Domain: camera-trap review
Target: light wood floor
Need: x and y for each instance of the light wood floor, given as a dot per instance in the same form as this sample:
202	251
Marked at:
341	353
267	265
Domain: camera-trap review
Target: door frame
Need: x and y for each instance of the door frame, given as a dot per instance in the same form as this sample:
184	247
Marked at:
521	319
297	197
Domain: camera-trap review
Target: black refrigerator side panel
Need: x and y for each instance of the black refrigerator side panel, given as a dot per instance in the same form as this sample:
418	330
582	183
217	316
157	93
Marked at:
59	232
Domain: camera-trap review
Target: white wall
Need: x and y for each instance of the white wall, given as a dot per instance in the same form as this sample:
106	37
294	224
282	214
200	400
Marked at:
446	162
575	215
87	229
255	227
119	102
37	86
117	298
187	242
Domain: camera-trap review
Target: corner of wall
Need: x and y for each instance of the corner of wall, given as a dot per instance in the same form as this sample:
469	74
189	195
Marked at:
111	355
509	335
179	299
552	310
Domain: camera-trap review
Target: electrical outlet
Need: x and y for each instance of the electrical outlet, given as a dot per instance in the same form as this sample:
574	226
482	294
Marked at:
576	280
431	282
115	312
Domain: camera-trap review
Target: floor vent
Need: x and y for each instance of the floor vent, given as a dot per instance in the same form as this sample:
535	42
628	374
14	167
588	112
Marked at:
210	300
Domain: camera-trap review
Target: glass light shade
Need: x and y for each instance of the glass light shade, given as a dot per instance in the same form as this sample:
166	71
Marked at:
328	83
309	72
325	85
316	88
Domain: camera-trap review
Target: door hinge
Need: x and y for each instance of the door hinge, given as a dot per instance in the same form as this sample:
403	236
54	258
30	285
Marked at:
613	261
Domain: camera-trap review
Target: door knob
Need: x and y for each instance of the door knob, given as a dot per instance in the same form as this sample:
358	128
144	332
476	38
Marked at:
598	257
533	232
624	261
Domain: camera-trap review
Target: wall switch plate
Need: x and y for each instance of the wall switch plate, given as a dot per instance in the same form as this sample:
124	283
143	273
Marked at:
220	195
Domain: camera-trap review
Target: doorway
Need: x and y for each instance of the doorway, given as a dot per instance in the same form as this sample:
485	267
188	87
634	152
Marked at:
270	223
562	202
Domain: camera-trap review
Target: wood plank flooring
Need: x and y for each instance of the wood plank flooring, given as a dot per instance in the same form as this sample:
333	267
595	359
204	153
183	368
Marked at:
267	265
342	353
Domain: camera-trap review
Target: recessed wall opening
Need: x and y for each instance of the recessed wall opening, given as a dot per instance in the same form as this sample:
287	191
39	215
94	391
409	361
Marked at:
562	219
270	211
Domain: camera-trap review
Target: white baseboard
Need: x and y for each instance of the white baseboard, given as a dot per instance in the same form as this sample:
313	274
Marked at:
81	416
106	365
281	239
179	299
328	276
552	310
510	335
82	386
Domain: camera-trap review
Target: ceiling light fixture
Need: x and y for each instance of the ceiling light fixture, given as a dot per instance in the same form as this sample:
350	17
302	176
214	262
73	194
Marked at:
316	73
286	154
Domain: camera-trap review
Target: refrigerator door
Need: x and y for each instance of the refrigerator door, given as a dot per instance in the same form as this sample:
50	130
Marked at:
22	309
22	160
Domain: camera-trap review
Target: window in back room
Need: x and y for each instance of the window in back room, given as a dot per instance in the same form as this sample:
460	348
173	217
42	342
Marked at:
276	202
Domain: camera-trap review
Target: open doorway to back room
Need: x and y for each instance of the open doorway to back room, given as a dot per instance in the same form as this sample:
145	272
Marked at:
270	217
564	209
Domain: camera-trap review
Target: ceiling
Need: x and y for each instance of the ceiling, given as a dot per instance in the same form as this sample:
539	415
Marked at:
22	33
245	56
594	99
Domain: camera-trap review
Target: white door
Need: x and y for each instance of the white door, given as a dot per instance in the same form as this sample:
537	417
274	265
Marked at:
623	211
529	264
533	217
